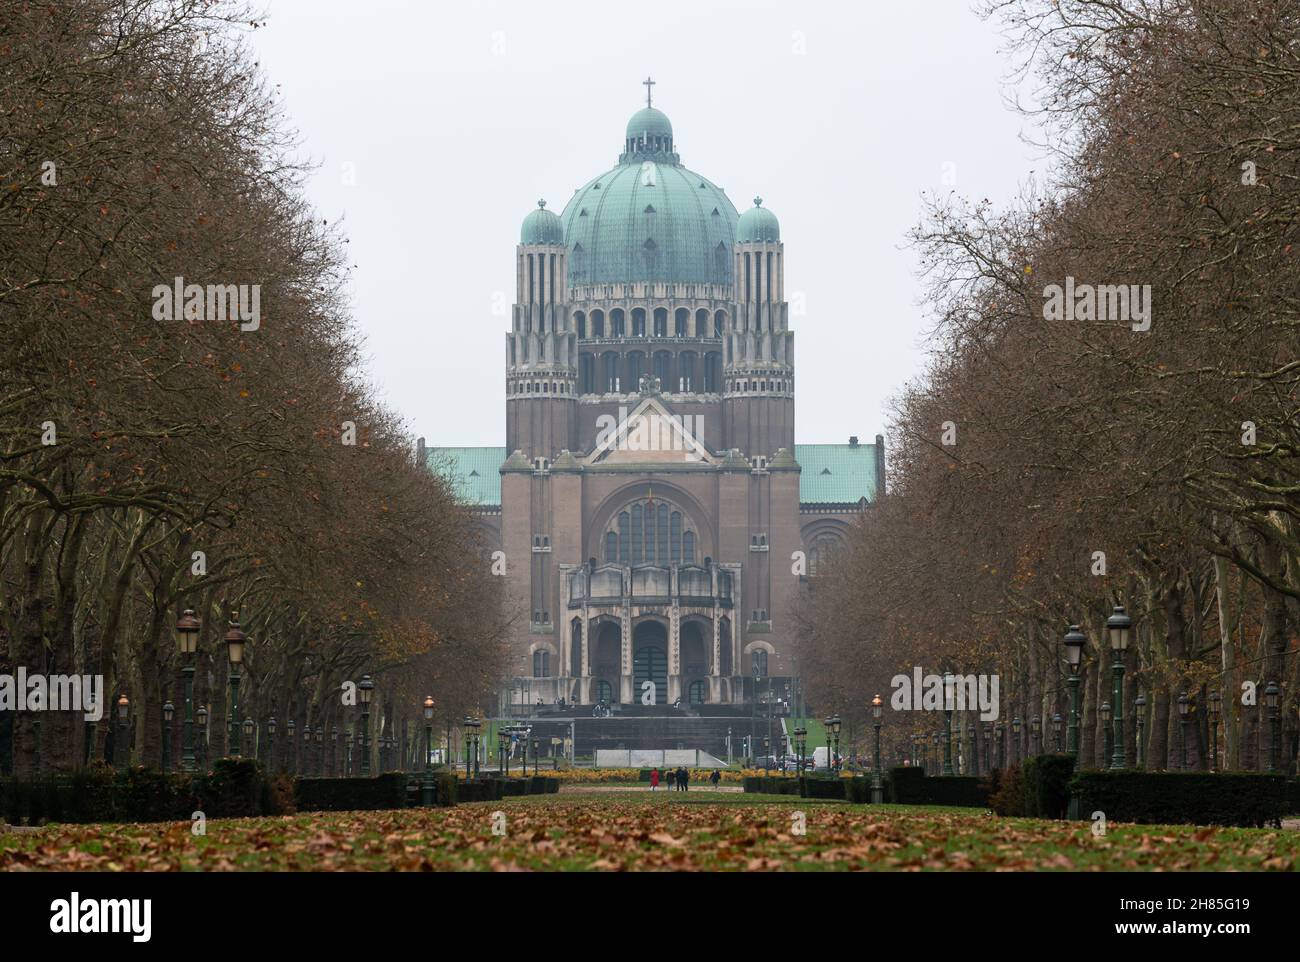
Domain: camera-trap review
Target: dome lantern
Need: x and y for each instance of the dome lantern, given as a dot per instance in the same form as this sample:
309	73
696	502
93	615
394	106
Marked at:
542	227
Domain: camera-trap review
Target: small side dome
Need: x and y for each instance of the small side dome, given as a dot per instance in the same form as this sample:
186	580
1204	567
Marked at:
758	225
541	227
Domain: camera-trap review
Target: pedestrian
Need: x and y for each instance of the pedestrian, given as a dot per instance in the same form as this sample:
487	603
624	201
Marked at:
672	778
715	777
684	779
654	779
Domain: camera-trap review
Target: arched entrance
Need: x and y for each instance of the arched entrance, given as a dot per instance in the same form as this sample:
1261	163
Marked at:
695	651
650	660
606	655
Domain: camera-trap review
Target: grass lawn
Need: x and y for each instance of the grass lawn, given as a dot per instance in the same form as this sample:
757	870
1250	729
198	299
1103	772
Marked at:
644	831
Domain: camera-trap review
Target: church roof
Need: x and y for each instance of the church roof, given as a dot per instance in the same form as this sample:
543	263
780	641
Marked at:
474	473
836	473
832	473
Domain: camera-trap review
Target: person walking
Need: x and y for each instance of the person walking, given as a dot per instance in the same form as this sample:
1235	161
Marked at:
672	778
715	778
654	779
684	779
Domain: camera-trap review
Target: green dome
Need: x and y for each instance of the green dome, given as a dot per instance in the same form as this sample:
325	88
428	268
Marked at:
649	123
649	219
758	225
541	227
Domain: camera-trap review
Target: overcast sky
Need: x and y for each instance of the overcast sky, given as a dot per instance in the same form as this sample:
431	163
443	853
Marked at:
438	125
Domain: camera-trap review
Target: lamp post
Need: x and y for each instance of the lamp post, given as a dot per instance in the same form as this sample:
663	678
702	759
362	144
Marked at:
201	717
123	752
1015	740
1184	709
426	794
1271	694
1215	700
1036	735
1118	626
365	689
877	787
291	746
168	710
187	643
334	751
1056	729
477	727
800	733
833	728
973	729
1104	710
306	750
503	763
988	746
347	753
270	742
1002	744
948	682
248	735
320	750
1139	716
235	639
1074	642
536	754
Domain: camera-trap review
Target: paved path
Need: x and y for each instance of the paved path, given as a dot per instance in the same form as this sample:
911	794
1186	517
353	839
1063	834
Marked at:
579	787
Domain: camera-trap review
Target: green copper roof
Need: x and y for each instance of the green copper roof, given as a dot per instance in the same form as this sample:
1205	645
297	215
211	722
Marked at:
832	473
542	226
649	218
473	472
758	224
836	473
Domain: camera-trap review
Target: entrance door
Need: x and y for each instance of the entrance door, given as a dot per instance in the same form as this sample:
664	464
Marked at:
650	661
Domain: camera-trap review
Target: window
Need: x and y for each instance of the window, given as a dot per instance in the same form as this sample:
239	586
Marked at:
758	663
541	664
698	693
651	533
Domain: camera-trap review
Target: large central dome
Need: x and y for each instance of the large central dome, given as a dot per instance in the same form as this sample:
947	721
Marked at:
649	218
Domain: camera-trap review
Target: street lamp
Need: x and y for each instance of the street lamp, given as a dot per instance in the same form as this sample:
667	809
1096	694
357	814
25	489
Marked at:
1271	693
270	741
187	643
1074	642
536	753
168	710
1002	744
988	746
291	745
320	750
833	731
248	733
235	641
1104	710
1015	740
123	712
1056	729
1118	626
201	717
426	794
306	749
503	763
936	740
334	751
877	713
1215	700
948	682
365	689
1139	715
1036	735
1184	709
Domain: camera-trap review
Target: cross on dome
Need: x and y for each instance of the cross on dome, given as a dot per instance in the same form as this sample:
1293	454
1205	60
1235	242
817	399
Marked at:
647	83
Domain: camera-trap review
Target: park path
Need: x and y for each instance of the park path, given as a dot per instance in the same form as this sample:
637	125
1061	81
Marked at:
578	787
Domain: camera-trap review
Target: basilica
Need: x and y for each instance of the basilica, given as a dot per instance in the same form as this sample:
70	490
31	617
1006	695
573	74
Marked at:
655	517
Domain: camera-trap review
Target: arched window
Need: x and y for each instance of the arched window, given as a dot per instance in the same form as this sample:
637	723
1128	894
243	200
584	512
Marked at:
719	323
821	553
702	323
611	372
616	322
698	692
635	370
661	322
586	373
597	323
638	322
663	369
686	370
758	663
682	322
541	663
604	692
580	319
651	533
575	649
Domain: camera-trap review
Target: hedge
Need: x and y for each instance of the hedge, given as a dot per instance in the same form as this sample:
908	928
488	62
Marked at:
234	787
824	787
1046	785
903	785
350	794
771	784
1243	799
1293	796
909	785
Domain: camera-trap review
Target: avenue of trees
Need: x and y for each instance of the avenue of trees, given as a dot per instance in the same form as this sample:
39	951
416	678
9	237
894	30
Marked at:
1030	445
148	466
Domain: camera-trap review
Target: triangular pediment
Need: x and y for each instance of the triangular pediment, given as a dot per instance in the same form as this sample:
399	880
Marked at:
649	434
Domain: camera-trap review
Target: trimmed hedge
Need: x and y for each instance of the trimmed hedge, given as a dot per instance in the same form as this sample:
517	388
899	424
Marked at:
1293	796
771	784
823	787
350	794
909	785
233	788
1046	785
858	790
1242	799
